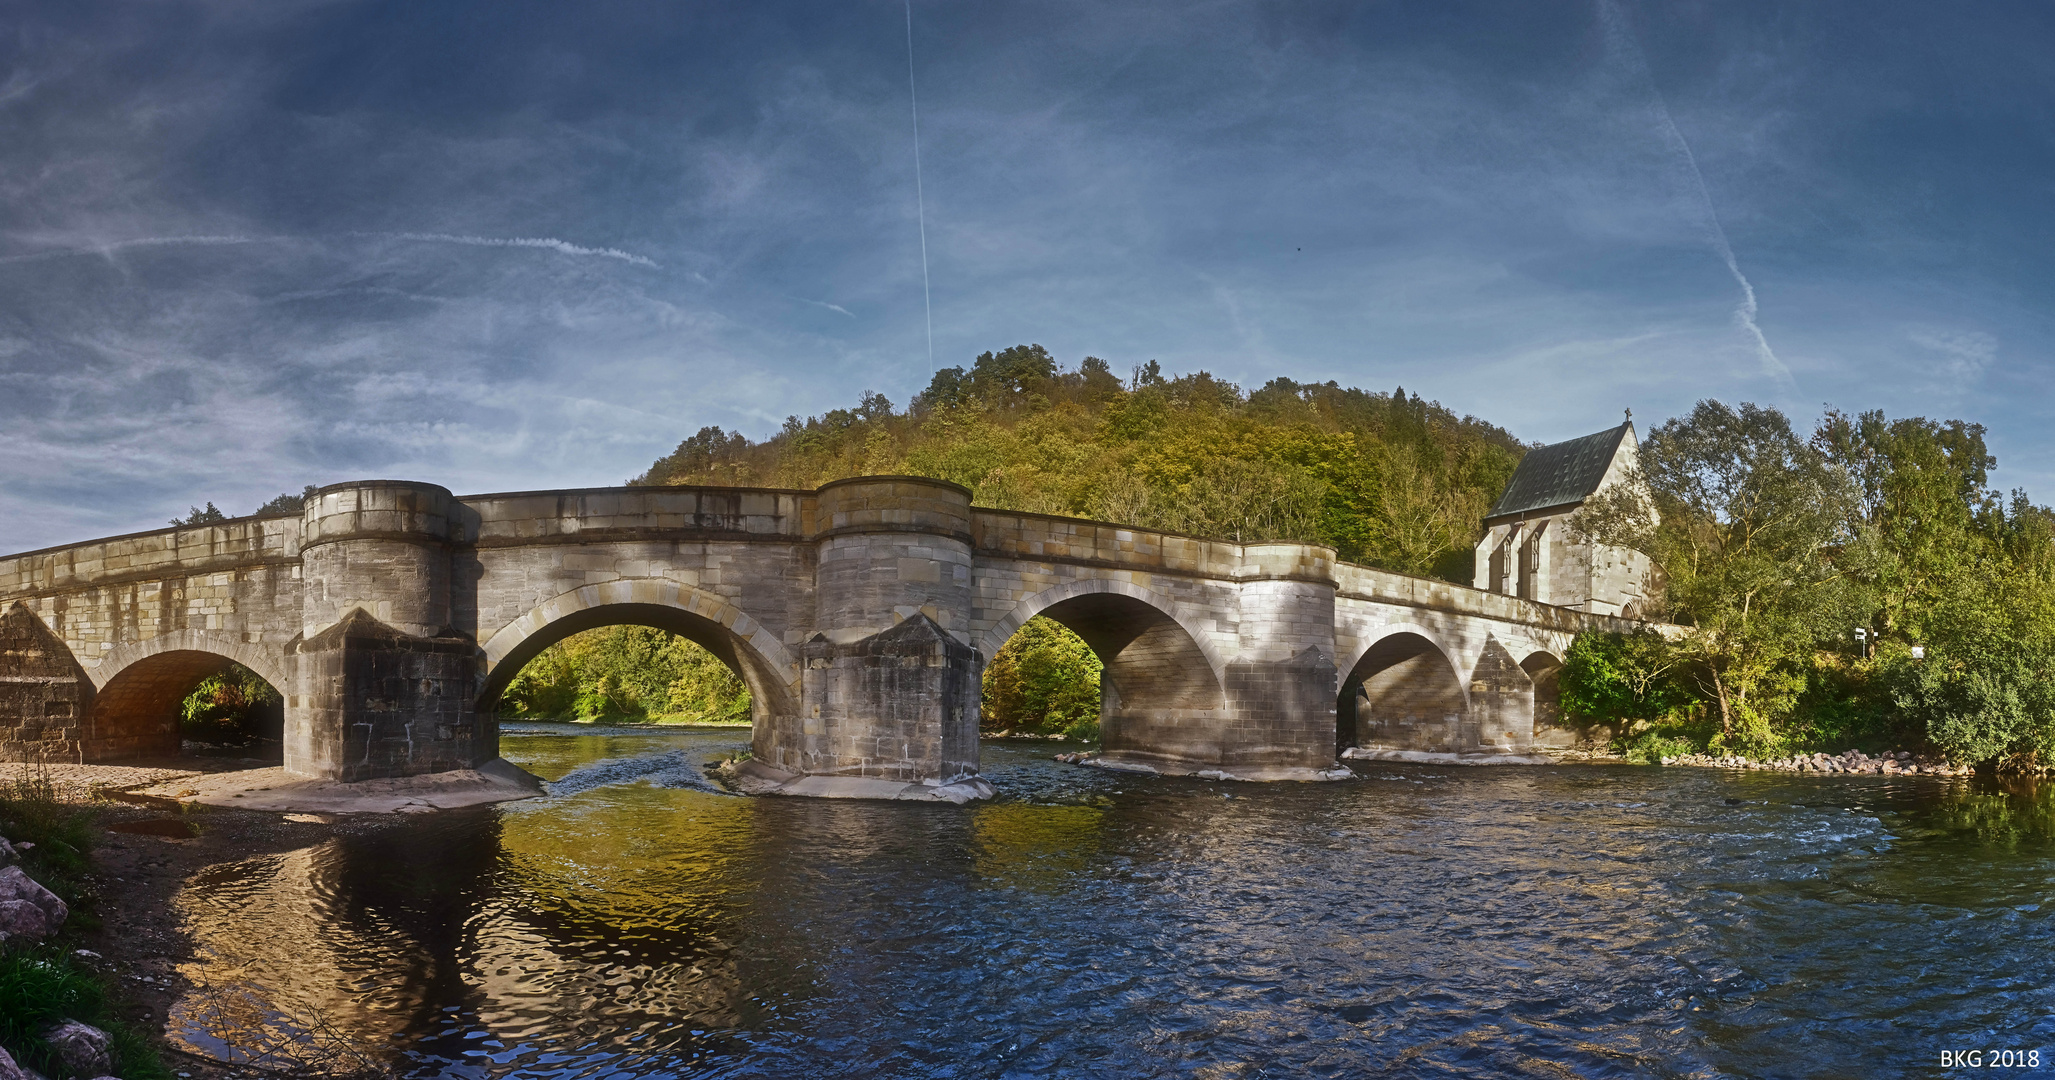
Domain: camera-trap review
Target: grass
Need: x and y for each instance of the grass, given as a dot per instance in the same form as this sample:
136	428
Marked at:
41	984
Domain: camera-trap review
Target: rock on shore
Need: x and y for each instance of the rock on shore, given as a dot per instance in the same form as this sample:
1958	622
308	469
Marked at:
28	910
1851	762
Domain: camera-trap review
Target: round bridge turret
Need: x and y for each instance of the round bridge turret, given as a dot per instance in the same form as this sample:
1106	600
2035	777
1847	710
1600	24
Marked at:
379	545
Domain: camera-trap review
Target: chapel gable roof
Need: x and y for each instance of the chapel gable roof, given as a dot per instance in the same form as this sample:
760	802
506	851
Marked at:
1560	475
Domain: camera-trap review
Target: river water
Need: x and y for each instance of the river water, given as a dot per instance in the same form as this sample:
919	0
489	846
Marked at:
1414	921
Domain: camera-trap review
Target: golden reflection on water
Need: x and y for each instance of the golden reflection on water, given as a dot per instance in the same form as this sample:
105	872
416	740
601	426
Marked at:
1037	848
572	922
272	925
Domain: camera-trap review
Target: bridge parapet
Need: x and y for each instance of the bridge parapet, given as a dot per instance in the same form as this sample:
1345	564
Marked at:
1363	583
179	551
531	517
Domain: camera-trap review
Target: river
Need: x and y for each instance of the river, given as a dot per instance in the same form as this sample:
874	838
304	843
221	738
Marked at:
1414	921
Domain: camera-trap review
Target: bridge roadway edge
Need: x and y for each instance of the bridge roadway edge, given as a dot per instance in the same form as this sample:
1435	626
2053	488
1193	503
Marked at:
861	614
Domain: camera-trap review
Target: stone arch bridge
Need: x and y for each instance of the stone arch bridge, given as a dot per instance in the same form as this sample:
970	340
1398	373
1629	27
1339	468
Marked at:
392	614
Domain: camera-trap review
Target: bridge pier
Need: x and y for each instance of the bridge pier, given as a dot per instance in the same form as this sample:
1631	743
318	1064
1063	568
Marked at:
889	691
382	685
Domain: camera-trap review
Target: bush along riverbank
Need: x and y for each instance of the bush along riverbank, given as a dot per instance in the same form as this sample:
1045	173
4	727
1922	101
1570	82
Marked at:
59	1012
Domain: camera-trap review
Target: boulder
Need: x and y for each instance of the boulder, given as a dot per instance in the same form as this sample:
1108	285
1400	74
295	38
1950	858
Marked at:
24	920
82	1048
9	1070
15	884
8	857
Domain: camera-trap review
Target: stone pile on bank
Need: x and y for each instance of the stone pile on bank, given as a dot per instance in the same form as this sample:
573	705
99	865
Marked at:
1851	762
30	913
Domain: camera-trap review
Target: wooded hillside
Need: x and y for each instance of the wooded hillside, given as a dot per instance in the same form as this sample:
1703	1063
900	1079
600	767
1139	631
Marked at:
1388	480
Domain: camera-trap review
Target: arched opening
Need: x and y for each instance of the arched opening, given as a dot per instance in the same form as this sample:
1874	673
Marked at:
655	653
1404	694
186	701
627	673
1045	681
1545	670
1155	681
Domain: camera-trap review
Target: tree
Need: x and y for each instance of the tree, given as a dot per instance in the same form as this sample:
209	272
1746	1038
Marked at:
1618	678
709	456
200	517
1747	522
1044	679
1388	479
288	503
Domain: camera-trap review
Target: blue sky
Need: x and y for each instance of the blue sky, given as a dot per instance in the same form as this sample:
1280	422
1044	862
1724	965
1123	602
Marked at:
248	245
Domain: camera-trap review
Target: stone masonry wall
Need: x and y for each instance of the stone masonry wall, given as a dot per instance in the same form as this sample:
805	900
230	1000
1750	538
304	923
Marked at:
43	693
1217	653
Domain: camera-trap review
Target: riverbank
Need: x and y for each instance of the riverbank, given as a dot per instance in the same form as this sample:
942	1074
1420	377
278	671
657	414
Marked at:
125	932
1849	762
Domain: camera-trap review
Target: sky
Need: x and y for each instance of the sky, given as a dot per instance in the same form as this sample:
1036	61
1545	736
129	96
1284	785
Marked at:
250	245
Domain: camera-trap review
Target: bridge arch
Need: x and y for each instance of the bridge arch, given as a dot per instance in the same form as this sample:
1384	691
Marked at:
703	618
1150	651
139	686
1403	690
267	662
1545	670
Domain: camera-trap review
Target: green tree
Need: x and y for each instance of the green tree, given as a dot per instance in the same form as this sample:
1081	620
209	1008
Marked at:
1921	514
1746	521
627	674
286	502
1045	679
1386	479
235	707
200	517
1619	678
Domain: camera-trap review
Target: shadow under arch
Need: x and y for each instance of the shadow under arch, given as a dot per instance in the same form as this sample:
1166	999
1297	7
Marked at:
1160	676
1404	693
1545	669
701	618
135	710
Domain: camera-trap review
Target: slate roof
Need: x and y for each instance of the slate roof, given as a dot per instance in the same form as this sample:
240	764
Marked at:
1561	474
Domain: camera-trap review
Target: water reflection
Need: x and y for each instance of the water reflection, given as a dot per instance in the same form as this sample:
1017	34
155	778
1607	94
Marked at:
1584	921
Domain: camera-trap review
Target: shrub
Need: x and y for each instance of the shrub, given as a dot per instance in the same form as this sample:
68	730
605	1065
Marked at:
235	707
1620	678
1044	679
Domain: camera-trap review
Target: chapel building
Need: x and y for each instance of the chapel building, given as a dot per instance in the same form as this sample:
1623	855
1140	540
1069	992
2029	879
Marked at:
1529	549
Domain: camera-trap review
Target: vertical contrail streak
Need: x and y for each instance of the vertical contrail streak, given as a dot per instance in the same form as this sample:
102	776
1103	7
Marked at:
919	196
1621	40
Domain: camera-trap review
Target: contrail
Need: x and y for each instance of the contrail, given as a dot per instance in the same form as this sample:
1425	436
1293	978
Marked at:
113	246
548	243
1620	40
920	198
837	308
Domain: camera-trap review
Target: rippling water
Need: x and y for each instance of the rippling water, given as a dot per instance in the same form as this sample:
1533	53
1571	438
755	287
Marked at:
1588	921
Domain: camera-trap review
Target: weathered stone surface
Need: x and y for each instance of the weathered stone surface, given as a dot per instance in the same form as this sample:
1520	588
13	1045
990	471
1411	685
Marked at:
23	920
376	701
277	790
9	1070
15	884
43	692
82	1048
392	615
